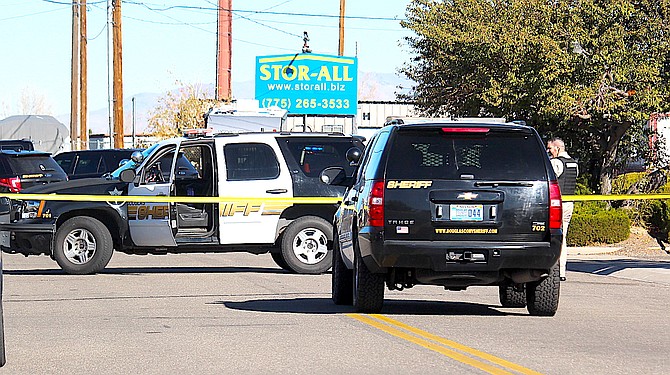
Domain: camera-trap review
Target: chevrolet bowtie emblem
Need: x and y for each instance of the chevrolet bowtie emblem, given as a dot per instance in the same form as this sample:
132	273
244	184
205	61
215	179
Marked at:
467	196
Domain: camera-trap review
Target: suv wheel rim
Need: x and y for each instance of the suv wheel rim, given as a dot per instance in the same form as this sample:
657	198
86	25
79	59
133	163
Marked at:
310	246
79	246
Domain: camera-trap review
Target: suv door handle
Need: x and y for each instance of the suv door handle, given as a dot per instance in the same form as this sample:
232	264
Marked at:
276	191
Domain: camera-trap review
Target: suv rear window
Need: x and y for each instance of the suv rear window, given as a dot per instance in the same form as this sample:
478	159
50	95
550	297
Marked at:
33	164
313	156
497	155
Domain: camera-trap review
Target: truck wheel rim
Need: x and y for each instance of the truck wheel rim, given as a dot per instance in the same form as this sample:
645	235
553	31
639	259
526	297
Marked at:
79	246
310	246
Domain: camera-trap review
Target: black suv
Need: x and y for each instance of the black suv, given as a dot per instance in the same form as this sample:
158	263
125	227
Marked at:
453	204
23	169
91	163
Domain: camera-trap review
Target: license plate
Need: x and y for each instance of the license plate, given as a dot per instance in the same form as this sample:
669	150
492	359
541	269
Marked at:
466	212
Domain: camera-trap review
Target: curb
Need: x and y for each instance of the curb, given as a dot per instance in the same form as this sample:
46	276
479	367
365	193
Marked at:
591	250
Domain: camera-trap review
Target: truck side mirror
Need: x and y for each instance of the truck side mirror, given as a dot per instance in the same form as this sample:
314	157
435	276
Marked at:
127	175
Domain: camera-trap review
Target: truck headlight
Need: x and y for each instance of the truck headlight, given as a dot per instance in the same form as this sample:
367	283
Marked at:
29	209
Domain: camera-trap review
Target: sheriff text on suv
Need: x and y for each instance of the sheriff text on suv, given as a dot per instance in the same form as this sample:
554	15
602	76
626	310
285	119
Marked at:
454	204
268	199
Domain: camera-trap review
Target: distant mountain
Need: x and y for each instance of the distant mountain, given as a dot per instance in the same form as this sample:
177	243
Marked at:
372	87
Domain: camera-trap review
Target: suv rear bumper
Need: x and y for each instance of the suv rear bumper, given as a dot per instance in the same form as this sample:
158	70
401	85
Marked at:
481	262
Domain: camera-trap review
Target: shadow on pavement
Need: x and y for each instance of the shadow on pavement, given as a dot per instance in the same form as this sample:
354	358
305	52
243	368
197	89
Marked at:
153	270
391	307
610	266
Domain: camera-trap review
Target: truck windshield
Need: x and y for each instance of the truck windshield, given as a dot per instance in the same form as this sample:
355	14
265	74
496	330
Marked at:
131	164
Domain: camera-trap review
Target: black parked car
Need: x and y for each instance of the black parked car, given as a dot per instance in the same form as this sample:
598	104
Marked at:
453	204
91	163
23	169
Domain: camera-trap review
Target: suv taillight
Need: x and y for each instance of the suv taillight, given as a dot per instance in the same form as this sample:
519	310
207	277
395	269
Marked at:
13	183
376	204
555	206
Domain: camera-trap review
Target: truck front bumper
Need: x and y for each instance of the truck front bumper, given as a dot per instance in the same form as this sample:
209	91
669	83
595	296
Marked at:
27	238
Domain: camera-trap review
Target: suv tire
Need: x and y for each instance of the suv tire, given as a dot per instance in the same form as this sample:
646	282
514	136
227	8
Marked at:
304	245
343	278
80	233
368	288
512	295
279	260
542	296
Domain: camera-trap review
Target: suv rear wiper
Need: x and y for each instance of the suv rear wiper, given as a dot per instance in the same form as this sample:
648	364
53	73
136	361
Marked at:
503	183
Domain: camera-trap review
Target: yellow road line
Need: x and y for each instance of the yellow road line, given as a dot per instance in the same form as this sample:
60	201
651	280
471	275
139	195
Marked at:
455	345
430	345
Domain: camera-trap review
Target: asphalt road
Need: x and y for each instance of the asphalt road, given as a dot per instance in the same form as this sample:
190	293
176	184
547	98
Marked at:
240	314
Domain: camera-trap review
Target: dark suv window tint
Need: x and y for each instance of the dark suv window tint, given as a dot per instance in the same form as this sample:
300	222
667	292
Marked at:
370	167
65	161
88	163
251	161
33	164
432	154
314	156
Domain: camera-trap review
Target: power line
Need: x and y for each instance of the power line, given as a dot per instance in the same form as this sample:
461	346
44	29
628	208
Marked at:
72	3
263	12
205	30
98	34
177	23
262	24
330	26
34	14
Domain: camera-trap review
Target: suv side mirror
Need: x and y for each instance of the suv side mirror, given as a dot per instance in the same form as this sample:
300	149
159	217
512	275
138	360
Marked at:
127	175
354	155
335	176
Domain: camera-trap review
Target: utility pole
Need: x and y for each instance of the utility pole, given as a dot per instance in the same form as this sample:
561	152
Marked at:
224	50
110	72
84	78
75	84
340	50
118	76
133	99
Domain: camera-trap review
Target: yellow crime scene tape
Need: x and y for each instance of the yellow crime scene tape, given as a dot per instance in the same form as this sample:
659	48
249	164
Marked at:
166	199
613	197
296	200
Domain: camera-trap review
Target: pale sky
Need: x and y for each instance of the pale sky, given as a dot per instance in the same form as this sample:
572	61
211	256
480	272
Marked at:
169	41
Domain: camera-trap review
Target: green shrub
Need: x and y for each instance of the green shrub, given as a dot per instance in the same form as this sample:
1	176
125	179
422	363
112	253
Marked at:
652	214
602	227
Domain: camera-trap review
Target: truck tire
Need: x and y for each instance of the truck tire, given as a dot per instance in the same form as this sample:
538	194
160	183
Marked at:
368	288
542	296
511	295
83	246
343	278
304	245
279	260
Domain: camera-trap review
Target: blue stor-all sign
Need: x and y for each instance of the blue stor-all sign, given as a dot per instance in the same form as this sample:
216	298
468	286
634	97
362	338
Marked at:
308	83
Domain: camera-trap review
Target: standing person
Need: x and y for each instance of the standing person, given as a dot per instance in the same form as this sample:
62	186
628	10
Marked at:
566	170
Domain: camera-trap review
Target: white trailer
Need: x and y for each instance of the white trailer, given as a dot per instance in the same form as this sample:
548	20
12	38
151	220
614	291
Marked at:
246	116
